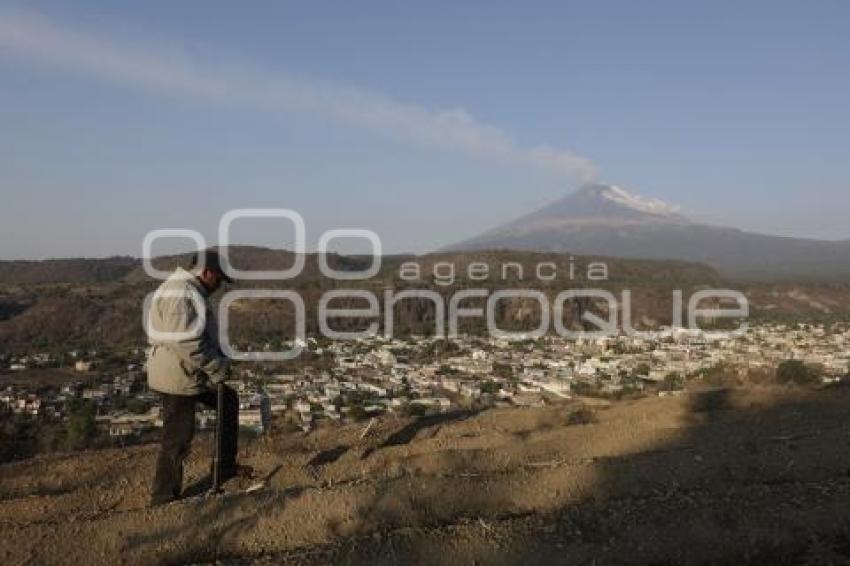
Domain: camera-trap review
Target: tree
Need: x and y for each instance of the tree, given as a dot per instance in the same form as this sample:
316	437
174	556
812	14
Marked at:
357	413
796	372
18	435
583	416
642	369
505	371
137	406
672	382
585	388
414	410
119	403
81	428
448	370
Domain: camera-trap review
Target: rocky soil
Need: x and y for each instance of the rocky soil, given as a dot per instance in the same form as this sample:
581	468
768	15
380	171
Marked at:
722	476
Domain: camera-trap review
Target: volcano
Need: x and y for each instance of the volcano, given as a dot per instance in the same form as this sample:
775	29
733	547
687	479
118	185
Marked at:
608	220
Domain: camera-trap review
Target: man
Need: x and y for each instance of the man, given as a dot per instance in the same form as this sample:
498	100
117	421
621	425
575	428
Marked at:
185	363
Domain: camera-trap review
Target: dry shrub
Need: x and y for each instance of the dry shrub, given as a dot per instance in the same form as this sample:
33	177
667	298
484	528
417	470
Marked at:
582	416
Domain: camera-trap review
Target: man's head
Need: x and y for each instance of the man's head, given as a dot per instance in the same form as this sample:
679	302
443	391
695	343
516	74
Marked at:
206	265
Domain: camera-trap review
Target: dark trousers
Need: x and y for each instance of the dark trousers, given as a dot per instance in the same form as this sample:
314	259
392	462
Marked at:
178	430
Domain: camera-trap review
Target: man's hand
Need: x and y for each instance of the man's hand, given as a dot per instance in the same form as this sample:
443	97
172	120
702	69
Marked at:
224	373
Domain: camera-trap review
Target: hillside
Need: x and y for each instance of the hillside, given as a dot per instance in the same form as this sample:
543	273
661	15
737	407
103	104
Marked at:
107	314
71	270
71	313
723	476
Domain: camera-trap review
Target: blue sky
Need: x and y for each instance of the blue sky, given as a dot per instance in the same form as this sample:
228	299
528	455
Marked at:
427	122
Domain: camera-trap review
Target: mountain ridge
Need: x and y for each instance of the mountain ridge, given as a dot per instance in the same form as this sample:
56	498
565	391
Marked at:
608	220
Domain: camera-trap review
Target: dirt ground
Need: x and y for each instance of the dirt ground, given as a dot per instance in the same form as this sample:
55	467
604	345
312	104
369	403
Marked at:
722	476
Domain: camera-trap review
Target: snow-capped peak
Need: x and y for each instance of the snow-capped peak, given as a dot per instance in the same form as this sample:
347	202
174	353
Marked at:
648	205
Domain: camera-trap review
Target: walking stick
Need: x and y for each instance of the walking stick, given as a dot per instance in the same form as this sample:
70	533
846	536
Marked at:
219	429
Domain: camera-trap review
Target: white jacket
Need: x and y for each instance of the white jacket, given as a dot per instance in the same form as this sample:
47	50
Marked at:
185	357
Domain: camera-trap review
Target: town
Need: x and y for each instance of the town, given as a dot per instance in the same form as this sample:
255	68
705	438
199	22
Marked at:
345	381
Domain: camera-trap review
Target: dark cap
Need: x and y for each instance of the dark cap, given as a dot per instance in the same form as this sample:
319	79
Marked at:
210	259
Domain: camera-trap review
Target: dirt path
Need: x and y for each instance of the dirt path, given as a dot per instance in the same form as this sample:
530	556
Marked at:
725	476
